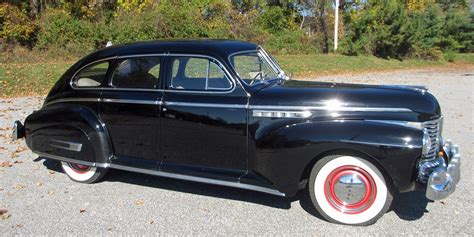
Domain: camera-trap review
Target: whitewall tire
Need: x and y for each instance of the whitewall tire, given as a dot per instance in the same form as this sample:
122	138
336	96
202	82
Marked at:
349	190
82	173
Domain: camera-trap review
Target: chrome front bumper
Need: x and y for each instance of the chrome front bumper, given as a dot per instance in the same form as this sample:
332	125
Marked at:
443	179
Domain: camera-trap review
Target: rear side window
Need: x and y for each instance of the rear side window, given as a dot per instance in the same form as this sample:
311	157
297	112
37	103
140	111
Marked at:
193	73
91	76
142	73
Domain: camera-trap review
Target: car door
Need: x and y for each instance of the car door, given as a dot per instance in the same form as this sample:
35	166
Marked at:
129	109
203	119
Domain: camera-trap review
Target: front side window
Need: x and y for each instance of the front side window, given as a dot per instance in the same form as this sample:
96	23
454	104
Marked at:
91	76
141	73
253	67
193	73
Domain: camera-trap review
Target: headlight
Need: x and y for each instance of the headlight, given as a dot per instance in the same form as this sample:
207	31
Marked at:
426	143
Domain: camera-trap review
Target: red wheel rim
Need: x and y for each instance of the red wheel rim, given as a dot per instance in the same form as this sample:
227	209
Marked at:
350	189
80	169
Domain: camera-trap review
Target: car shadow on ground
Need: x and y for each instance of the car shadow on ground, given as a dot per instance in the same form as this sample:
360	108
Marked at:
408	206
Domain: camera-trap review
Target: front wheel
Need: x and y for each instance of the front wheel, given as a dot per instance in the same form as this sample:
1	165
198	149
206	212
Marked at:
348	190
83	173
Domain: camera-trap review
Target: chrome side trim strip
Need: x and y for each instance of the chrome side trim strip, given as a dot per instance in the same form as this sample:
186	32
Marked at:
70	146
349	109
383	144
146	102
207	105
80	162
73	100
416	125
267	108
281	114
199	179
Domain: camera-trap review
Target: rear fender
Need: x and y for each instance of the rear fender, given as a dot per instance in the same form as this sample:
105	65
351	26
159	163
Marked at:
70	133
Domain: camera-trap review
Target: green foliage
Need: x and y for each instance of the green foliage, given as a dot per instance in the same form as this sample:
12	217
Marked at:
16	26
428	29
273	20
394	30
60	29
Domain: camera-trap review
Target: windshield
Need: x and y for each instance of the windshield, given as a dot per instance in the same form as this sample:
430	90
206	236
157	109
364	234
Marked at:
253	67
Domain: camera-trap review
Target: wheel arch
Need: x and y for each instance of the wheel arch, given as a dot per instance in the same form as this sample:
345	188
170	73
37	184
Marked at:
349	152
73	124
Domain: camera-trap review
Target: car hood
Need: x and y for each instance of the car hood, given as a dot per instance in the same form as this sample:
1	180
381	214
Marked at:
326	95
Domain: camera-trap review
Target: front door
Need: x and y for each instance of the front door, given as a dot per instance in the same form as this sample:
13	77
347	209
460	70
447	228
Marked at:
129	109
203	120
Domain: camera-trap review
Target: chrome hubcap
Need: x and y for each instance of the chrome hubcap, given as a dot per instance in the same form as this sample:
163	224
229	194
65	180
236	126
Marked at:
350	189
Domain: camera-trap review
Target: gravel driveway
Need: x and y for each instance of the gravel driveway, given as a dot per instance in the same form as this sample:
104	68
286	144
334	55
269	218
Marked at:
42	200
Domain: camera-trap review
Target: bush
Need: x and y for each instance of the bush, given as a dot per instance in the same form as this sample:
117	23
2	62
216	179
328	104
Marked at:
60	29
16	26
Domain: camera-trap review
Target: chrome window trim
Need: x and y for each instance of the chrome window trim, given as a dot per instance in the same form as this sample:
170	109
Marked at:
72	82
229	76
259	52
200	179
130	88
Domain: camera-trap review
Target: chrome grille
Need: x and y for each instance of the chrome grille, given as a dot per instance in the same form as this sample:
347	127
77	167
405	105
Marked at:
433	128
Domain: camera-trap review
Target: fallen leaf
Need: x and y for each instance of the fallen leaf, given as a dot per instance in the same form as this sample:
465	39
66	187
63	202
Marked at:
139	202
18	162
6	164
5	216
39	184
443	202
51	172
19	225
50	192
82	210
14	155
20	149
151	222
19	186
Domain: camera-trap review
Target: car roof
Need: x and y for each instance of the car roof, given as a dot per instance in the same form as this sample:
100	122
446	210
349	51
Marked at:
213	47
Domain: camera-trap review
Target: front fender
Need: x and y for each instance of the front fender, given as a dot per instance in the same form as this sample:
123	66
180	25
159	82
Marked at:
284	154
69	132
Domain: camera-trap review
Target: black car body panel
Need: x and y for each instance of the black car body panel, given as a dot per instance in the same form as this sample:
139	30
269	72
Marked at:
221	137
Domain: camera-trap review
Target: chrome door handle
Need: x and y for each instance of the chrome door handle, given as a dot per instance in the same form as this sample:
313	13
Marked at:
164	109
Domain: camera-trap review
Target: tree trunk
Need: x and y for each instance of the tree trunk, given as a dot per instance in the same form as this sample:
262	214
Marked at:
323	25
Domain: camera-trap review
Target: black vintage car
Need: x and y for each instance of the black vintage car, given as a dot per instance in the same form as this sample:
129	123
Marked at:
224	112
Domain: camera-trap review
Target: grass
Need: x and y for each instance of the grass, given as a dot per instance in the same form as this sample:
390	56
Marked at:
23	74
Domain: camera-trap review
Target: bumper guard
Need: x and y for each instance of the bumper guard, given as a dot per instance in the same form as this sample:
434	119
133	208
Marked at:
443	180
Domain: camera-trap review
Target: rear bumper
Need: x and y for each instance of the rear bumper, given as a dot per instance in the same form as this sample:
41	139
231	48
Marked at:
443	179
18	130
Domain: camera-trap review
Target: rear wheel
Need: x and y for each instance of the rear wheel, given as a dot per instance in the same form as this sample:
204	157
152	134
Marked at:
349	190
83	173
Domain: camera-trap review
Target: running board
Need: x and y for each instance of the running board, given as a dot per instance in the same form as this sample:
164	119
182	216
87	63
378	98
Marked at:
199	179
168	175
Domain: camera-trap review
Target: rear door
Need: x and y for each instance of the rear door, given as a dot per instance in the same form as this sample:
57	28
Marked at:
204	120
130	107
